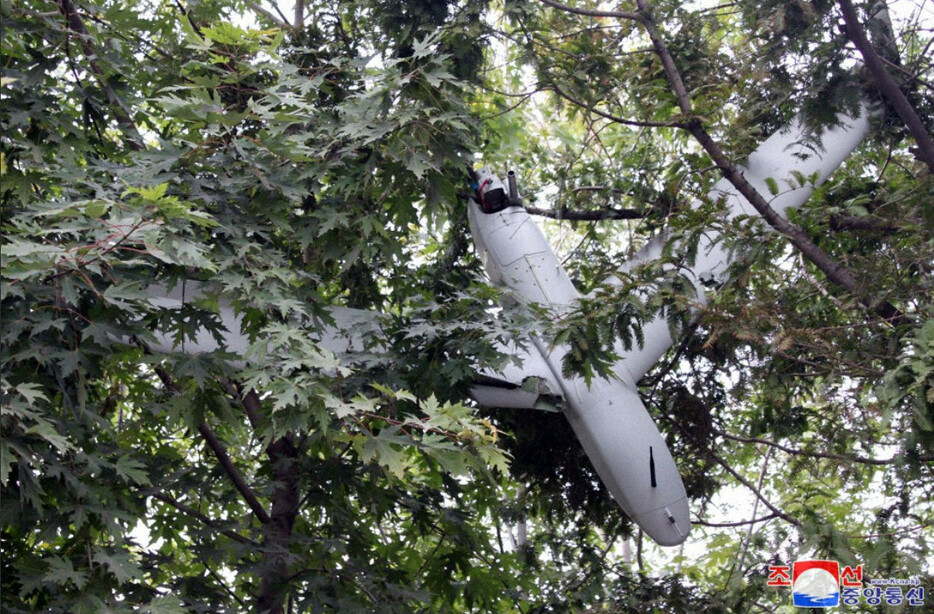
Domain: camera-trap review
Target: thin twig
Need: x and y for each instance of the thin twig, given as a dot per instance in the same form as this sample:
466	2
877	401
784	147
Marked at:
285	19
594	567
909	75
920	527
862	460
508	109
738	563
189	511
591	12
220	581
852	222
755	491
738	523
615	118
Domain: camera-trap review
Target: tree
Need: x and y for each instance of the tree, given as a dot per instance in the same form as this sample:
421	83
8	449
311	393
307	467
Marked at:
797	345
312	159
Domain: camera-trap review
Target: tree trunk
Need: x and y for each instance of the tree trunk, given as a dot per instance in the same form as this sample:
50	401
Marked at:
274	585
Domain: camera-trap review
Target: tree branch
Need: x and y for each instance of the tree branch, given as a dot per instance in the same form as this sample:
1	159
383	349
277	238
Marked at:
668	63
207	521
299	13
217	447
887	84
283	458
232	472
277	529
119	108
738	523
588	216
834	271
755	491
615	118
863	460
223	585
249	402
755	510
591	12
256	6
852	222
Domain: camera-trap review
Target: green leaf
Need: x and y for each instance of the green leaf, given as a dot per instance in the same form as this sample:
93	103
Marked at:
149	193
166	604
132	471
494	457
341	409
7	458
120	564
772	186
31	392
47	432
402	395
97	208
61	571
387	454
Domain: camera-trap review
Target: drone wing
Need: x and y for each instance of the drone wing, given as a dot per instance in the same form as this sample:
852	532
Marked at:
525	382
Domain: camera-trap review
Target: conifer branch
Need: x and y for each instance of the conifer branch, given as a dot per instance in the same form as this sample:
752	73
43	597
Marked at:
887	84
835	272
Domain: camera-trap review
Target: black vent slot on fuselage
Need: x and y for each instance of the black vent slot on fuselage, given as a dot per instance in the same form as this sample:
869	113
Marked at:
652	469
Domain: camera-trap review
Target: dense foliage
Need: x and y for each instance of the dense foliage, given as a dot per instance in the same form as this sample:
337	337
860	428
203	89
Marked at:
293	160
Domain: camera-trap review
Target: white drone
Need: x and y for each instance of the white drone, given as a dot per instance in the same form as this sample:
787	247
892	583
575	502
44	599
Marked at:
607	415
